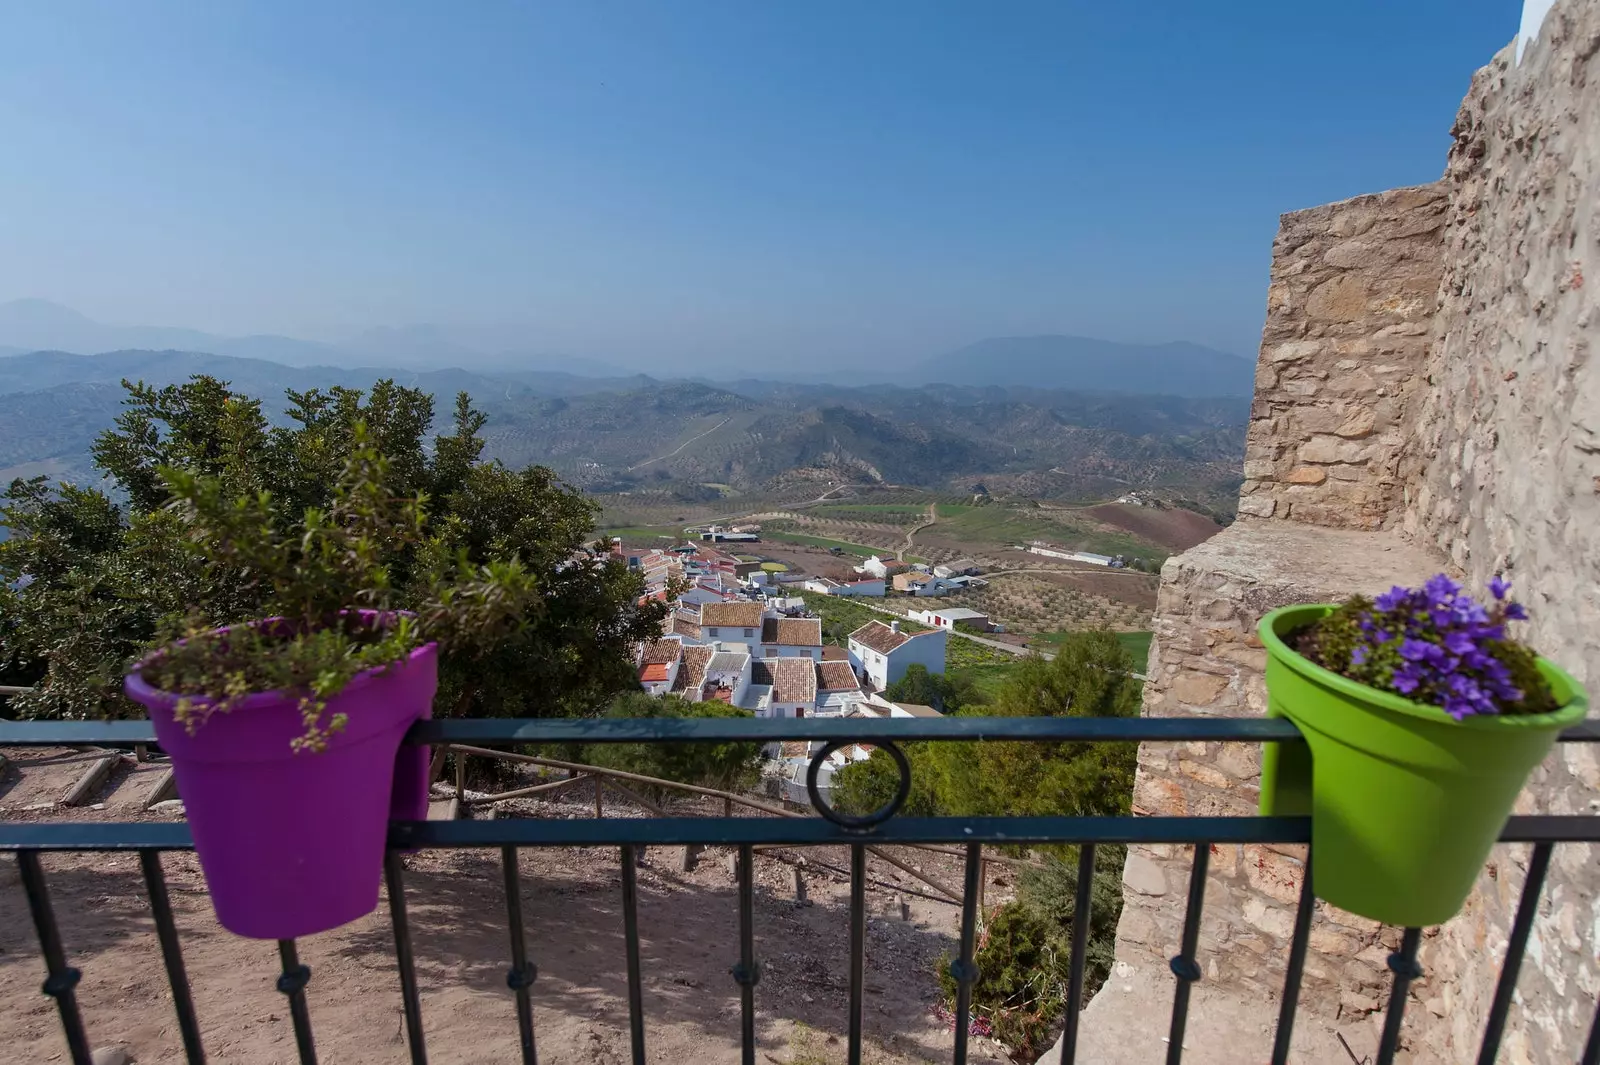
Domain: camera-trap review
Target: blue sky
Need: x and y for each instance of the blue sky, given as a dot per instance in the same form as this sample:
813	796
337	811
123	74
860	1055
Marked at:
730	182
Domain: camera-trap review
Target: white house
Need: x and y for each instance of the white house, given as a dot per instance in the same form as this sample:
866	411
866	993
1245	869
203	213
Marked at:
883	652
882	567
1072	556
950	617
793	685
791	638
875	586
659	662
957	568
738	621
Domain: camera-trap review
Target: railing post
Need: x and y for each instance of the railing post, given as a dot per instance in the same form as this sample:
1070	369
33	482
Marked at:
1403	963
62	978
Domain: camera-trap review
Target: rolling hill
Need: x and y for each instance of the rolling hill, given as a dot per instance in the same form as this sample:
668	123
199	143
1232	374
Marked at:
641	434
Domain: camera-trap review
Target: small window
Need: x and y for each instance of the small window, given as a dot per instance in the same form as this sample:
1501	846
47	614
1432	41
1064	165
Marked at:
712	630
799	711
749	633
770	652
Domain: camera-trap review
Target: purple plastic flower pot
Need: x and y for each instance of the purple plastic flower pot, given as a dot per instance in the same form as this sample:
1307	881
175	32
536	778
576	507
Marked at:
292	844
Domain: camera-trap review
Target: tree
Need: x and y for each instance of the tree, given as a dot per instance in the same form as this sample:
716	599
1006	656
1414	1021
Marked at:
724	766
106	573
944	692
1091	676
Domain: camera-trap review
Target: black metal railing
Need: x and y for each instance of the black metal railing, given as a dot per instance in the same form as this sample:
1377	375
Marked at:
29	840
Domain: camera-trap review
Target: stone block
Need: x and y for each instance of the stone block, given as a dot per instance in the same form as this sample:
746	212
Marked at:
1143	875
1198	689
1358	424
1309	475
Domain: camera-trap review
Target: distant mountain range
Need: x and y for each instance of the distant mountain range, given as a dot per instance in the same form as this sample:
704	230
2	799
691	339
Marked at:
641	434
39	325
1081	364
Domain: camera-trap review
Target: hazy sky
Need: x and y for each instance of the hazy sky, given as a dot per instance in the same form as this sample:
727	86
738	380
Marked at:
823	180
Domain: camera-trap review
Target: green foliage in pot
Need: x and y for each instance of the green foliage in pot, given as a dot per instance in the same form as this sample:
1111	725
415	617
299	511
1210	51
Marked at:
327	585
92	579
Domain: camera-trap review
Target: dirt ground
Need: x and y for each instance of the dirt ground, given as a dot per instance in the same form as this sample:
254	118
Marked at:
1173	528
573	911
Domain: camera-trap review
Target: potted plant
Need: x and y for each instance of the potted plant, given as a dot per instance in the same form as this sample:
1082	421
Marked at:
1423	718
285	731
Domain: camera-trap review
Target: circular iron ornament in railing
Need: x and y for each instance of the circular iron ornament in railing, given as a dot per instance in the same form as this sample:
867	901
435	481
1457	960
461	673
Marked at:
864	822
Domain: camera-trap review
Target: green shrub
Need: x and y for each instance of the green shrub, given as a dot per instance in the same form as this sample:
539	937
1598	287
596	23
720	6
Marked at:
1021	989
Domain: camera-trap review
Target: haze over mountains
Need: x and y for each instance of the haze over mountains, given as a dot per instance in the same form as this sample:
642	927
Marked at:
1051	361
684	438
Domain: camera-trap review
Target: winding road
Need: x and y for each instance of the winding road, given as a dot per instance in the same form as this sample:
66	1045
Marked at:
680	447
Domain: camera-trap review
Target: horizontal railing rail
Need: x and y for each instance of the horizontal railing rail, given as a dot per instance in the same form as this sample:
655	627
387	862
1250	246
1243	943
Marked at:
30	840
497	731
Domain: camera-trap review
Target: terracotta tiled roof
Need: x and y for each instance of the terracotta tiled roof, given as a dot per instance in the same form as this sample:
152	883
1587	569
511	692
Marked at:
919	710
683	624
661	652
653	672
836	676
793	680
692	672
880	637
731	615
792	632
832	652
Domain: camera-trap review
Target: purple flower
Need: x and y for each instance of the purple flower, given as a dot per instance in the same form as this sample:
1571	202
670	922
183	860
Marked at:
1405	680
1415	650
1499	586
1392	598
1515	612
1358	656
1459	643
1441	587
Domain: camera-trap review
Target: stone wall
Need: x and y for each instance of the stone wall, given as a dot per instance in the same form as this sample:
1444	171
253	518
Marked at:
1206	660
1352	293
1425	400
1505	477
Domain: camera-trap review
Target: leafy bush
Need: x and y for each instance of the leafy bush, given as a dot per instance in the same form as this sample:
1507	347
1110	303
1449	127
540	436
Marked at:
107	573
725	766
945	692
327	587
1023	970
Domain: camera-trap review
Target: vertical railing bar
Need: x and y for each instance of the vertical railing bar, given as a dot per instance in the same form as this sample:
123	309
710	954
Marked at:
964	969
1403	963
155	883
1184	966
394	879
858	947
61	978
630	931
1591	1049
523	973
1297	965
1527	910
746	973
1080	947
293	984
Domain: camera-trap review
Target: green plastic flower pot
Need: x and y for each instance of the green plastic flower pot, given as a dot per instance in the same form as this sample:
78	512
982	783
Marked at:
1405	802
